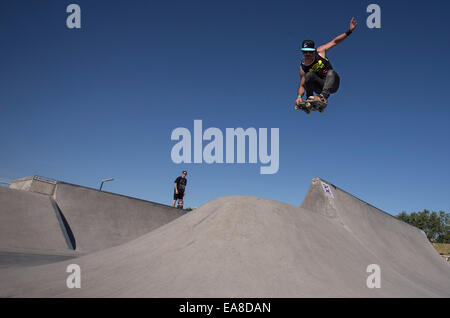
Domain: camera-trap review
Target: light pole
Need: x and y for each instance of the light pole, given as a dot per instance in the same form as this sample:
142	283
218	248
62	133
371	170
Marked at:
106	180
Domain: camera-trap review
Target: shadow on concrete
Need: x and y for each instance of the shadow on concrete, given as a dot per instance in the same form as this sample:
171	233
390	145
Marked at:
65	228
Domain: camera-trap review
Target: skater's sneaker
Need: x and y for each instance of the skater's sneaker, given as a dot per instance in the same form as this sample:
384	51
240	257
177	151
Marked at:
319	98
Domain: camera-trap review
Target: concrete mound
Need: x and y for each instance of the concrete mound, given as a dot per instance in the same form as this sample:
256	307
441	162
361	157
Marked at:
253	247
403	247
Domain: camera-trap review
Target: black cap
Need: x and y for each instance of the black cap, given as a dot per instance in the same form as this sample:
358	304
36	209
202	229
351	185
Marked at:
308	45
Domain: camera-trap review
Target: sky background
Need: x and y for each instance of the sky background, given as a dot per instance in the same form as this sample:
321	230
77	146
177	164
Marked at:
83	105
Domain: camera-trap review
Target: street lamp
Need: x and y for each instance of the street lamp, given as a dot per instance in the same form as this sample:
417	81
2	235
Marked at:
106	180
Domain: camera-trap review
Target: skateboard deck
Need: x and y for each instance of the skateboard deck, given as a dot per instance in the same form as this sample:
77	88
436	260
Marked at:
180	204
308	105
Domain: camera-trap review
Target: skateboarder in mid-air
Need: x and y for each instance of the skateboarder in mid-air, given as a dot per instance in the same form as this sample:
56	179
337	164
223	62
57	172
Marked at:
316	73
179	189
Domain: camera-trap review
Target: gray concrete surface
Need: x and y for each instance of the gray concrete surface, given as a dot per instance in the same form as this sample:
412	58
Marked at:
393	242
36	184
28	222
100	219
252	247
19	259
74	221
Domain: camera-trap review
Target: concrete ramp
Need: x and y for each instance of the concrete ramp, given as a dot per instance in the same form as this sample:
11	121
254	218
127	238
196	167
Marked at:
100	219
253	247
42	221
28	223
393	243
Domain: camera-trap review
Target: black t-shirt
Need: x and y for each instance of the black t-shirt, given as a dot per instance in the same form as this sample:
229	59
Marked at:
181	183
320	66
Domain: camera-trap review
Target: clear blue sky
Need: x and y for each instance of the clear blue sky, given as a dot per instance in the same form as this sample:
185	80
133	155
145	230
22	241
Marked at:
82	105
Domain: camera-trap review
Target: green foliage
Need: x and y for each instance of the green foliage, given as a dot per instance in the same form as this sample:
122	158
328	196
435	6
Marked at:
435	225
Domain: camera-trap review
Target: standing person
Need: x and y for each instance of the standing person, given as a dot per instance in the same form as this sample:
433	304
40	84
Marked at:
179	188
316	73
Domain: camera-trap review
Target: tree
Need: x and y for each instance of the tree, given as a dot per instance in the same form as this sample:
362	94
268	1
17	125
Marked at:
435	225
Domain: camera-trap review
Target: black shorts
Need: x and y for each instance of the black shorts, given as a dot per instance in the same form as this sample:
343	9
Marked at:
178	196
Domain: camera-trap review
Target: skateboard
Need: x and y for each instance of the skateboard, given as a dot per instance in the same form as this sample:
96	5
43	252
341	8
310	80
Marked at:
309	105
180	204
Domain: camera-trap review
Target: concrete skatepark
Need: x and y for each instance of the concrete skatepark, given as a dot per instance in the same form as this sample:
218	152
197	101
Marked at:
236	246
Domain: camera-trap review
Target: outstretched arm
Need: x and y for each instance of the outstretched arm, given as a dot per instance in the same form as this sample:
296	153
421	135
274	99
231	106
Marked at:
321	50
